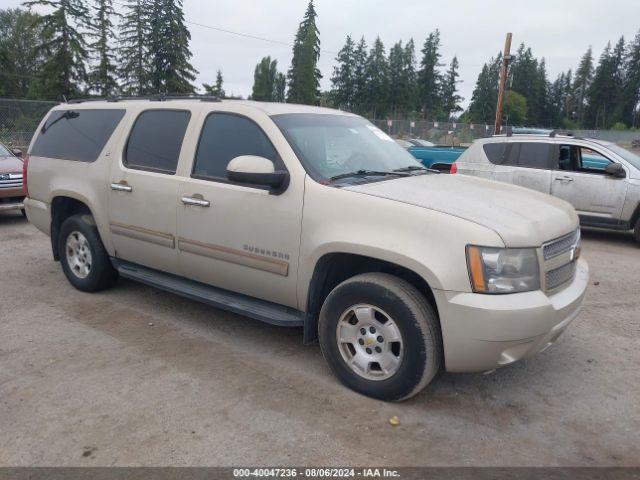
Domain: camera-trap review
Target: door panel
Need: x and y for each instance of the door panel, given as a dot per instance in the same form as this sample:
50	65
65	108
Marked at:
246	240
591	193
582	182
233	236
143	190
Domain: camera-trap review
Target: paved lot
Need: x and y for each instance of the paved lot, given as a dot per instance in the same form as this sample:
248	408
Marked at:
136	376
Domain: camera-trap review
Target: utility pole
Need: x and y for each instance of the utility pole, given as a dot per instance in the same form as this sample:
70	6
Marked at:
502	89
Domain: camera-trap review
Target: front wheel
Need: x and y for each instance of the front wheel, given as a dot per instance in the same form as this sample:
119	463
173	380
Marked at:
380	336
84	259
636	231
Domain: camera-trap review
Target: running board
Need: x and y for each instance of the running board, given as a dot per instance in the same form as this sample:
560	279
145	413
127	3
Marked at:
234	302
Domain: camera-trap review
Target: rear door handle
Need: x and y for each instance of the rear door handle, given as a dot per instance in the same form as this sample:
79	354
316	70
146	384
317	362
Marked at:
121	187
564	179
198	202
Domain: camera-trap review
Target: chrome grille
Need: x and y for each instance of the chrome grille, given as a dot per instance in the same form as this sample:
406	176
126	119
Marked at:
560	275
560	257
10	180
560	245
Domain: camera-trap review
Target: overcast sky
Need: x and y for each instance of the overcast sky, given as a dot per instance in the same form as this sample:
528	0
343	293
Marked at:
474	30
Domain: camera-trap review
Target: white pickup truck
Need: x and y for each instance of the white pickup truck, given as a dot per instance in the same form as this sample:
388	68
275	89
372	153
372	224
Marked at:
303	216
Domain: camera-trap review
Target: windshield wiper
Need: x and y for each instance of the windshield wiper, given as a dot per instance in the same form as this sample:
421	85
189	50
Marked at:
413	168
364	173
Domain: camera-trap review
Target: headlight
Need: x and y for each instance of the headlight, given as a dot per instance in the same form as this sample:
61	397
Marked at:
503	270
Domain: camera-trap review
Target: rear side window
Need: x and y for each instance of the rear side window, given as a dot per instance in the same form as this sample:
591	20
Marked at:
519	154
76	134
155	140
494	152
227	136
534	155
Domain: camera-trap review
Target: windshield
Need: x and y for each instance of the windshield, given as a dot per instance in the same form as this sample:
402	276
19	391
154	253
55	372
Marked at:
4	152
630	157
332	145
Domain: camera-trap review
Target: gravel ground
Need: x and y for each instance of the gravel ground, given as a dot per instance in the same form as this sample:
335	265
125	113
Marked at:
136	376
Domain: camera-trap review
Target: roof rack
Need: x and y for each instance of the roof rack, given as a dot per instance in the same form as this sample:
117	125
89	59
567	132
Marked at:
160	97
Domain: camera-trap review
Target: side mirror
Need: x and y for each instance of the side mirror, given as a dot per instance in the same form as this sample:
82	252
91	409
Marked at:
17	152
615	170
256	170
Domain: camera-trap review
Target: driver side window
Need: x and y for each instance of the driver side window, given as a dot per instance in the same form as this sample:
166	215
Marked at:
574	158
224	137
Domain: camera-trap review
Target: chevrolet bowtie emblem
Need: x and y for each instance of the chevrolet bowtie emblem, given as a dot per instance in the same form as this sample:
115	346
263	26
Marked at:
369	341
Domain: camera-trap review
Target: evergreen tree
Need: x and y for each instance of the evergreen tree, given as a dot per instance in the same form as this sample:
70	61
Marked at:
485	94
604	89
360	80
135	70
103	76
450	98
19	58
395	92
630	97
377	73
343	79
304	76
63	48
216	90
279	87
171	71
581	84
429	77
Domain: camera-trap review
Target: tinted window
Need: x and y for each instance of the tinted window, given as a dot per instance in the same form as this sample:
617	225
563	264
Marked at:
534	155
156	140
225	137
494	152
76	134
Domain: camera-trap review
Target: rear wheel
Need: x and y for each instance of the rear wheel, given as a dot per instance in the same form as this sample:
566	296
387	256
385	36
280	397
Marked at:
84	259
636	231
380	336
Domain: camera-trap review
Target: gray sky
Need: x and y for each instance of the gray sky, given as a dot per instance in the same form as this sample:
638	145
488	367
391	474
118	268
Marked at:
559	30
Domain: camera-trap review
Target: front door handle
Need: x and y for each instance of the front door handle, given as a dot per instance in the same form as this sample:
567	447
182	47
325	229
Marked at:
121	187
198	202
564	179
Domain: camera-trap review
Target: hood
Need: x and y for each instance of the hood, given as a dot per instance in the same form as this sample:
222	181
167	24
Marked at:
10	165
521	217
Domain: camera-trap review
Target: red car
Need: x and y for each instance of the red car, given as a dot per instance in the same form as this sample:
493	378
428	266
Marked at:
11	192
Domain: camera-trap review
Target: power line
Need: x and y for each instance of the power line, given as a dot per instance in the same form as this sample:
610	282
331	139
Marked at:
240	34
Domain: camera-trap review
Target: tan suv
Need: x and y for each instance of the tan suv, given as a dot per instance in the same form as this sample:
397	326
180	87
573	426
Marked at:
302	216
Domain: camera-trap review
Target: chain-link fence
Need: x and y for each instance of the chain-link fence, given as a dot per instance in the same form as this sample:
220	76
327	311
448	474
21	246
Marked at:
20	118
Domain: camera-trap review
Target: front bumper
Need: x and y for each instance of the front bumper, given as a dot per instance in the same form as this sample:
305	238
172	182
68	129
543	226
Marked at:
483	332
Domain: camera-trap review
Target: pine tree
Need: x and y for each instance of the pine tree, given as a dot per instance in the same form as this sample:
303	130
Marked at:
485	94
171	71
605	87
377	75
343	79
630	98
103	76
216	90
63	48
429	77
304	76
409	79
360	80
134	29
450	98
396	63
581	83
279	87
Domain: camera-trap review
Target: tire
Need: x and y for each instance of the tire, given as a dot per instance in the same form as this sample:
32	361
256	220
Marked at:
636	231
375	296
80	241
23	212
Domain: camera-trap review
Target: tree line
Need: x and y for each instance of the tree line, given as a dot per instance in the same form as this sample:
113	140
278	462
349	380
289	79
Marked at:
85	47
